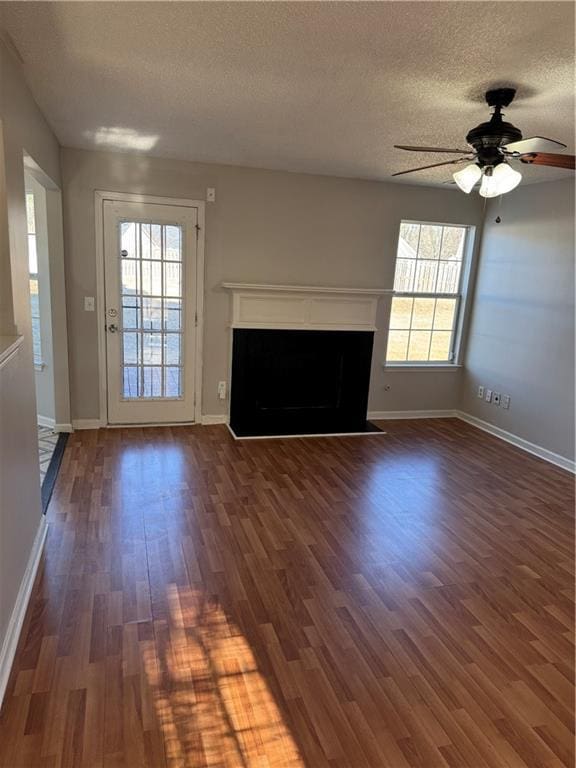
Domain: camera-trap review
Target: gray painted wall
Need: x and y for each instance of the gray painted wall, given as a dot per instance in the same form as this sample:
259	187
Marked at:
521	339
265	227
23	129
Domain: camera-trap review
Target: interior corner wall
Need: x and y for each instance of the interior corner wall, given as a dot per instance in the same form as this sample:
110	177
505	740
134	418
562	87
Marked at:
23	129
521	337
265	227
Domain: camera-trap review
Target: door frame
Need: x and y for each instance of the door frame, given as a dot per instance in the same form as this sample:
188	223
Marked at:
100	196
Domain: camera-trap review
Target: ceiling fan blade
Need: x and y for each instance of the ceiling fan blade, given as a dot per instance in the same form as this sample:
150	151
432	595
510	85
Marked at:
434	165
552	160
534	144
432	149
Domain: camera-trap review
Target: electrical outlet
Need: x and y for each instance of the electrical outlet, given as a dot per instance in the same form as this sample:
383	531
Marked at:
222	390
481	392
88	303
506	401
488	395
496	398
210	195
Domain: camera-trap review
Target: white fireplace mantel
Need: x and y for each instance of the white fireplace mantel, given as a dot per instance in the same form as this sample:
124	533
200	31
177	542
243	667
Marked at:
304	307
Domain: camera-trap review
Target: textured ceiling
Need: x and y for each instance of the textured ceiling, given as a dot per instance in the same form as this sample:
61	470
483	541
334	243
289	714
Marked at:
318	87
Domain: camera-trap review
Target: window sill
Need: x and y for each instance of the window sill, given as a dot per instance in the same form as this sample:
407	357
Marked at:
421	366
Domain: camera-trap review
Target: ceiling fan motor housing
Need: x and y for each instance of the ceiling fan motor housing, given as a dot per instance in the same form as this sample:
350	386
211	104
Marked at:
488	137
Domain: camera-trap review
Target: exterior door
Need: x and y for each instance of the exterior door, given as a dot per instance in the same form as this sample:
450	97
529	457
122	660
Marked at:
150	266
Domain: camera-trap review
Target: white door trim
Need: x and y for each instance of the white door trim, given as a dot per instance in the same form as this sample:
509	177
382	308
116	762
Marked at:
99	197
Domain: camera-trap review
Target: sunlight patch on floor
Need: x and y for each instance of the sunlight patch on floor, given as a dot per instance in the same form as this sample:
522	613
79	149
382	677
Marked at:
213	705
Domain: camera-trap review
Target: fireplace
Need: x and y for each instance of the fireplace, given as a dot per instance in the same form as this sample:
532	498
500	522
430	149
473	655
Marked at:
299	382
301	359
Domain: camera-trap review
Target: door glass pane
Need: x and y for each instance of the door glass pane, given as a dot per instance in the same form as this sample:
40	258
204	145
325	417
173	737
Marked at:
151	277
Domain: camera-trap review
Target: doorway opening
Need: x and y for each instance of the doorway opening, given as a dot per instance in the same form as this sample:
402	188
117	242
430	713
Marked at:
48	321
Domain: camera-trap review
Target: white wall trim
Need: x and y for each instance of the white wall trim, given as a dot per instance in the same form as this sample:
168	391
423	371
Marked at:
214	419
87	424
294	307
271	288
99	197
375	415
63	428
45	421
19	611
519	442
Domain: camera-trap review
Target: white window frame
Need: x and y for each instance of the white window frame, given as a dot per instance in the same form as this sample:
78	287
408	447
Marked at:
461	297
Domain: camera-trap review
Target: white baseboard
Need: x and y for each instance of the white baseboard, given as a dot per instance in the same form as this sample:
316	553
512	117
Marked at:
19	611
63	428
375	415
216	419
519	442
87	424
45	421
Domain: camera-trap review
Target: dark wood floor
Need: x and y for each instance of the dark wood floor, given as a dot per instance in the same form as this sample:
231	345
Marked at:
390	601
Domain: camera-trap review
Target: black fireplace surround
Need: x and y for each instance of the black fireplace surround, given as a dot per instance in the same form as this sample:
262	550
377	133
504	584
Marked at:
290	382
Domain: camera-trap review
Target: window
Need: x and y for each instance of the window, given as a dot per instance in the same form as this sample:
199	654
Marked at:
33	270
428	291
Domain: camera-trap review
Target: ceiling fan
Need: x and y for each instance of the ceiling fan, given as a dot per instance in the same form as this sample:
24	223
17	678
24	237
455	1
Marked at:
491	146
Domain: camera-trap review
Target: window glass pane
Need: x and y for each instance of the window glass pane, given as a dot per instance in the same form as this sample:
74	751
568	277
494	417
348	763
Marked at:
152	314
156	241
145	240
131	348
128	240
152	278
408	242
172	349
30	214
430	242
172	314
397	345
172	278
130	312
426	273
444	316
419	345
172	382
453	243
32	255
130	276
130	383
404	275
440	346
448	276
173	243
401	313
152	348
423	313
152	381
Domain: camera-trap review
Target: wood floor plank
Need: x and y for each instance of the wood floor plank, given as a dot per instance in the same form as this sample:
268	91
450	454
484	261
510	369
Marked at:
393	601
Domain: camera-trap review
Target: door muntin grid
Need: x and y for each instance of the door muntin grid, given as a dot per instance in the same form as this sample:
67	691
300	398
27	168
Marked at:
151	272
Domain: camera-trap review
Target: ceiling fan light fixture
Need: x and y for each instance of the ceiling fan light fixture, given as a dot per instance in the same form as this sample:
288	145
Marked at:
499	180
467	177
